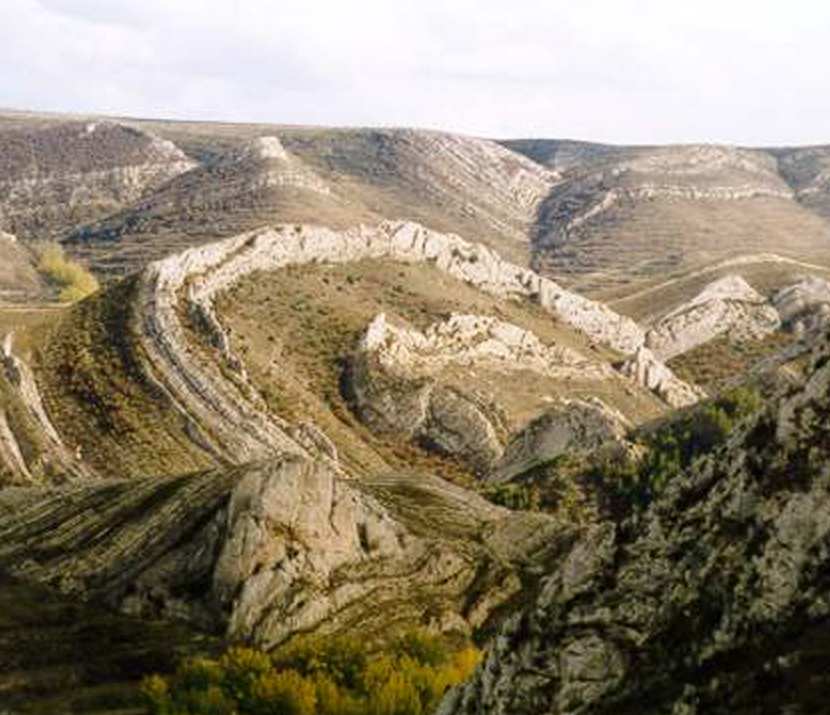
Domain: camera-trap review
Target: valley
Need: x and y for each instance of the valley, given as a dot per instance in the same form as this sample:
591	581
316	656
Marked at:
563	401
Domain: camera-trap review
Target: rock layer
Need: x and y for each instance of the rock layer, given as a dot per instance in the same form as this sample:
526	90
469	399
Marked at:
58	175
270	550
727	306
712	601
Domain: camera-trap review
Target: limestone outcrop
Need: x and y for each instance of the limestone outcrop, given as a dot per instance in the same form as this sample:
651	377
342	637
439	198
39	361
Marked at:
273	549
804	306
729	306
571	427
714	600
475	340
219	397
646	370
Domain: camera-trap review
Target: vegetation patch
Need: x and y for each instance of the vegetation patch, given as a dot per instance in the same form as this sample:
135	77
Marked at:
320	675
72	279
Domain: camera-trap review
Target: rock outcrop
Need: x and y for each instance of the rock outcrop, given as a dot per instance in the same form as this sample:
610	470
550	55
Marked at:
266	551
648	371
475	340
56	176
729	306
804	306
395	388
714	600
571	427
219	397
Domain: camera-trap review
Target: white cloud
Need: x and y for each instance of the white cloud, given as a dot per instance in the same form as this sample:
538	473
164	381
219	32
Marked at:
633	71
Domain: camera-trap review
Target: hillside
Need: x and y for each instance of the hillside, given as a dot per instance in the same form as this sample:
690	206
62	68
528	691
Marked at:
639	227
625	221
564	401
18	278
266	352
712	600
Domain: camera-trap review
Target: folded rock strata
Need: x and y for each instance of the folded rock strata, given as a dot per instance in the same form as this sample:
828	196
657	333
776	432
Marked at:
282	547
235	421
727	306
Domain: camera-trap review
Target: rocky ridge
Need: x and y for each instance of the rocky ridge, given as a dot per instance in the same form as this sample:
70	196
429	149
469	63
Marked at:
268	550
729	305
713	600
56	175
187	284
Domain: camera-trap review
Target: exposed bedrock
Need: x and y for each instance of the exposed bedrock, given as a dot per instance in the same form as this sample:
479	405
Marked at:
571	427
729	306
804	306
646	370
713	601
283	547
398	383
176	308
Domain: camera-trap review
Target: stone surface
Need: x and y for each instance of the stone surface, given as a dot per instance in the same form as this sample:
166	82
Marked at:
804	306
729	306
713	600
288	546
571	427
648	371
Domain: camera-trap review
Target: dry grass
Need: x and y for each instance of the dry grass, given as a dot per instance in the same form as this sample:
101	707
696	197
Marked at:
297	328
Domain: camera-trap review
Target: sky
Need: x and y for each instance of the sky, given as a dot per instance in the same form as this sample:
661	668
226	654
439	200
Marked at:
752	72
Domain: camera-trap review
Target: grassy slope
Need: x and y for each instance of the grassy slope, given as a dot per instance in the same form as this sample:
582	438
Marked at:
296	328
100	399
61	657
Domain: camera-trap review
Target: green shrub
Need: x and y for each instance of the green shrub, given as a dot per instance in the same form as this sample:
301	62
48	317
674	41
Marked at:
331	675
75	281
673	447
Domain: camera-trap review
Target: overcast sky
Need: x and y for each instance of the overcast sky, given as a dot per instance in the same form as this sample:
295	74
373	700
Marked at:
736	71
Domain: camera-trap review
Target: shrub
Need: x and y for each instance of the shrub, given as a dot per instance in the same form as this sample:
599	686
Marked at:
674	446
330	675
75	281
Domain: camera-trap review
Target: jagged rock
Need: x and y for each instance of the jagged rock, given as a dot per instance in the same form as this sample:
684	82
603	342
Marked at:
648	371
714	600
284	547
419	408
475	340
235	420
805	306
571	427
727	306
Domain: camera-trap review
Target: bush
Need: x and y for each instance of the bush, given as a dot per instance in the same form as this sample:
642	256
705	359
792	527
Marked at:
75	281
673	447
330	675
